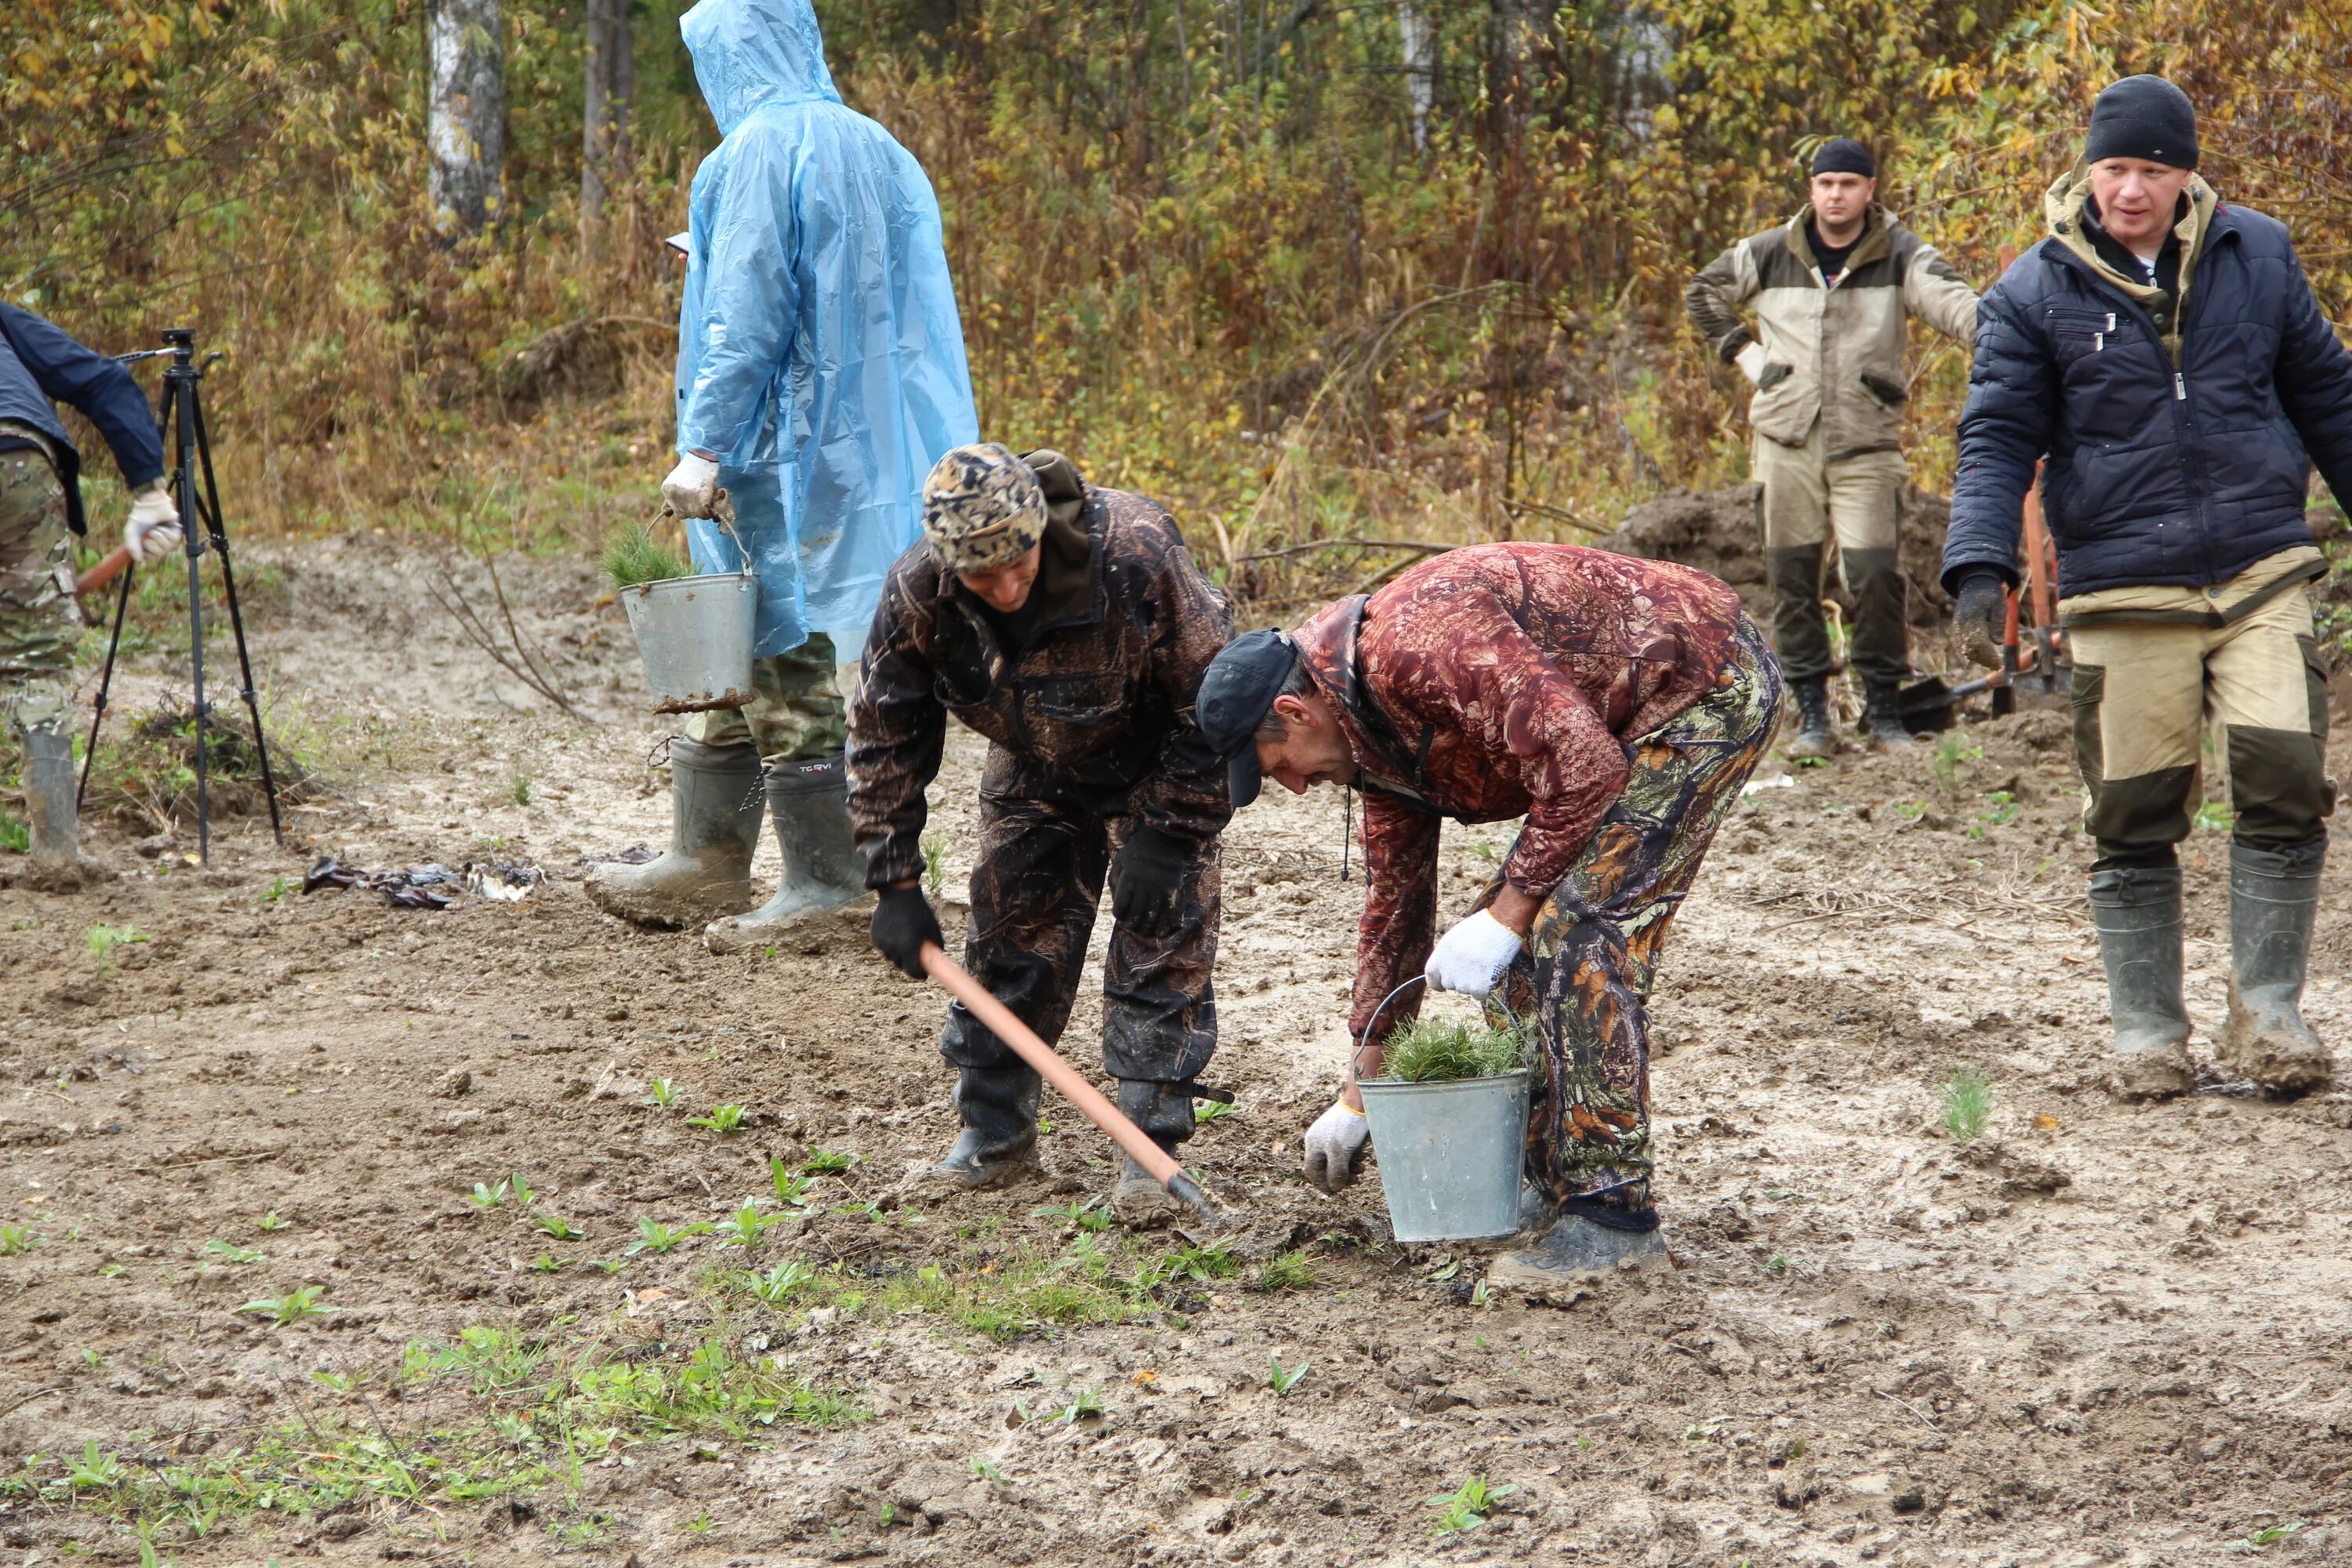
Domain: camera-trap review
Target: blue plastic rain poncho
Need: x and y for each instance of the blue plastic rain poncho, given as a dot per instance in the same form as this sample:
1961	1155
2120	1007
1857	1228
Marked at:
820	355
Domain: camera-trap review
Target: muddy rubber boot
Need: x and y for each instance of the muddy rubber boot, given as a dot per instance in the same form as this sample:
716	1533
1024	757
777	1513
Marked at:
1164	1111
823	870
1814	736
54	860
2138	912
1882	727
1578	1248
999	1141
714	825
2273	895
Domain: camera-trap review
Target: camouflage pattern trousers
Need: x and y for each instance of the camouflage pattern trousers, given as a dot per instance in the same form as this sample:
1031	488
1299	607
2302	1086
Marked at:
796	714
41	623
1044	857
1581	989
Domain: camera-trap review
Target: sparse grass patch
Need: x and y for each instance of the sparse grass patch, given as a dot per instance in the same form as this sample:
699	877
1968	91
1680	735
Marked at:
1968	1103
1286	1272
1439	1050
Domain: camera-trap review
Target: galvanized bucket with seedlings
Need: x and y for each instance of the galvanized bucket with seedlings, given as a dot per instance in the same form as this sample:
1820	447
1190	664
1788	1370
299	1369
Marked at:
694	631
1450	1124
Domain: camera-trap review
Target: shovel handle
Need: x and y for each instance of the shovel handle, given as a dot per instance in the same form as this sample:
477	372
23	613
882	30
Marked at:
1065	1078
105	572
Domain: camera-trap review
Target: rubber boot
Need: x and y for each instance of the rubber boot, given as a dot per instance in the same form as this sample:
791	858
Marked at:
55	862
823	870
1814	736
1577	1248
999	1141
1164	1111
2273	896
2138	912
1882	727
714	825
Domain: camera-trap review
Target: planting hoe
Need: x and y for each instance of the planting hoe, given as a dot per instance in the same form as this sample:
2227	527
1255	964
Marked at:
105	572
1074	1088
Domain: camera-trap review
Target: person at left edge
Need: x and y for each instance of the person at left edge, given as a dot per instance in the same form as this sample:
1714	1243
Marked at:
821	372
40	510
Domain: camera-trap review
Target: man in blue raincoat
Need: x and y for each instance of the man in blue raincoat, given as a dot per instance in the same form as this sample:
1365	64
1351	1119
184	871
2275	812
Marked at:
820	374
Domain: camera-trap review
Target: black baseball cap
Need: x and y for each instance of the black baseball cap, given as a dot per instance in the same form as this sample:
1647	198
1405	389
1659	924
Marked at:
1236	693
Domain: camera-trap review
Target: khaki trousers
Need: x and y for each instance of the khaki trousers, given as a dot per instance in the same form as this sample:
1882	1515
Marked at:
2154	666
1808	497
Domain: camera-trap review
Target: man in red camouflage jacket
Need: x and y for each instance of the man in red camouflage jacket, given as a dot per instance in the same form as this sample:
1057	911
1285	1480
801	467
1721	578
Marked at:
1619	705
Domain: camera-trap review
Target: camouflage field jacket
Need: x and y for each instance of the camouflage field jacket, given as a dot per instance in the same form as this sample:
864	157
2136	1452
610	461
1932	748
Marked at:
1095	711
1494	682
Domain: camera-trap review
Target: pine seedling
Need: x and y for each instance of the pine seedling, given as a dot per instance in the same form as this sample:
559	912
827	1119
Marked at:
1283	1379
1441	1050
636	556
935	863
1286	1272
103	939
1968	1103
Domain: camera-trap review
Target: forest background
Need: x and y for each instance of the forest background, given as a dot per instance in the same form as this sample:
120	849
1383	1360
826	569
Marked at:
1305	270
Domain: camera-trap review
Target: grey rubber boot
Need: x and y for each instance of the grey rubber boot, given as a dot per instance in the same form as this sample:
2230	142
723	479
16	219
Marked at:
1883	726
56	860
999	1141
2273	896
2138	912
714	825
1575	1249
1164	1112
809	803
1814	736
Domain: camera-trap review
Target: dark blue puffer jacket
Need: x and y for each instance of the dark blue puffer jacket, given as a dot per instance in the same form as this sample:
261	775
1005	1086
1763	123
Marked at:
2154	474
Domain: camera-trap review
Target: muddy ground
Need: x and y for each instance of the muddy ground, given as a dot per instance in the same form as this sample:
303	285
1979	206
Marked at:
2096	1334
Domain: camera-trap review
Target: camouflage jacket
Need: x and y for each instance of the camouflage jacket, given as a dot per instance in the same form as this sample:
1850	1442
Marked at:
1494	682
1096	711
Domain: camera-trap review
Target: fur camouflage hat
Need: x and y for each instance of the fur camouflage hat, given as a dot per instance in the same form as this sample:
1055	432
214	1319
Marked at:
983	508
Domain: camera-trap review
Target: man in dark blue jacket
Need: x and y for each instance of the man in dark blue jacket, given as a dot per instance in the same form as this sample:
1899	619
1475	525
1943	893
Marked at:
2162	354
40	510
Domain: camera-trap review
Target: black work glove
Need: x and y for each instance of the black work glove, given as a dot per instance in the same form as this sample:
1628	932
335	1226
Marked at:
903	922
1982	617
1147	886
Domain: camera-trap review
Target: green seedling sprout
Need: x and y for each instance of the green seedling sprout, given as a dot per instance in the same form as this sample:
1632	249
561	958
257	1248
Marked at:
1286	1272
271	1222
1085	1402
781	1284
93	1471
1214	1110
655	1236
103	939
230	1252
556	1226
16	1240
1082	1214
1283	1379
1465	1510
743	1228
935	863
792	1187
722	1119
661	1093
295	1306
1968	1103
827	1163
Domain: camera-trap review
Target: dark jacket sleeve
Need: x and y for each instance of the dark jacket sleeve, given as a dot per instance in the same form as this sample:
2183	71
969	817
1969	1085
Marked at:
1185	796
1400	923
102	389
2314	382
2005	428
1713	297
896	731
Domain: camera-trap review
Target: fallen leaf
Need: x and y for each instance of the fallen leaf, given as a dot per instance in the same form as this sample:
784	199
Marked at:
2046	1122
1147	1377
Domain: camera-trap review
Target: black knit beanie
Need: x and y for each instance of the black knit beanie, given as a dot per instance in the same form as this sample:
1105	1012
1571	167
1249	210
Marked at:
1845	155
2144	117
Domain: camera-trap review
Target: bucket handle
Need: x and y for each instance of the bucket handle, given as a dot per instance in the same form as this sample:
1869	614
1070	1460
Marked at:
1365	1038
722	512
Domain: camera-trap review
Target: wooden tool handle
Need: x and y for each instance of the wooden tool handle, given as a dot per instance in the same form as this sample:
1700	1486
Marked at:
105	572
1065	1078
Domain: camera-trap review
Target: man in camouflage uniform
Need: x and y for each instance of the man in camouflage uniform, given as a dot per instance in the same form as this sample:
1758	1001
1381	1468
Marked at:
1069	626
1618	705
40	510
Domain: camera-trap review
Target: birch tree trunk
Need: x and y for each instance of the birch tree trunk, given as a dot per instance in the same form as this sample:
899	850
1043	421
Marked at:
611	78
1420	39
467	128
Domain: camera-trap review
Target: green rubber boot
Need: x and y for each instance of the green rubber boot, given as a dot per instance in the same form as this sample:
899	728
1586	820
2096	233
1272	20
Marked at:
714	825
823	870
2138	912
2273	897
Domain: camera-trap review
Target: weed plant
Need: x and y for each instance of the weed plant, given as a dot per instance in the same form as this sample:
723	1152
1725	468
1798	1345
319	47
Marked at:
1430	1050
1466	1508
634	555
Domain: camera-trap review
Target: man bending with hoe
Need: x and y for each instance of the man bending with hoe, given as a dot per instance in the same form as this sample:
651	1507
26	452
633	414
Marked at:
1619	705
1068	625
1832	289
2162	355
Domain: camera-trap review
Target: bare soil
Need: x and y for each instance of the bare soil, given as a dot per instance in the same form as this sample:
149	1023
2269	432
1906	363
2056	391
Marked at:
2094	1334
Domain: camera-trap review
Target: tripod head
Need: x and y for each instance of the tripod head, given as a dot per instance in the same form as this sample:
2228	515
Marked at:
180	345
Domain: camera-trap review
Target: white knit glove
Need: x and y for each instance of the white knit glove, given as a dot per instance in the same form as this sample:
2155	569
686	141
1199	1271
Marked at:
1751	362
692	488
1335	1146
153	530
1471	957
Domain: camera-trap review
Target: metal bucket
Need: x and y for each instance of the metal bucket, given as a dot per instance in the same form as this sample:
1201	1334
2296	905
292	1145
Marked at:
1450	1154
694	634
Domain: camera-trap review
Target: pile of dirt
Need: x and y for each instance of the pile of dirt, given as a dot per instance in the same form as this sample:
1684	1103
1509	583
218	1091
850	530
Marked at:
1718	531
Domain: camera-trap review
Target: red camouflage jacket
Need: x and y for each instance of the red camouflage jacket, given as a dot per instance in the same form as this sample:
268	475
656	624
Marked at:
1494	682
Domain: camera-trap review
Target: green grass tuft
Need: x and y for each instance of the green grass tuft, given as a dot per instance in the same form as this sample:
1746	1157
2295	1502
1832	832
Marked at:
636	556
1441	1051
1968	1103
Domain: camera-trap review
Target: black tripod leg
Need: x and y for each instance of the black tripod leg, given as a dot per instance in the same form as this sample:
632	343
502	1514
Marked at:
105	684
183	386
235	615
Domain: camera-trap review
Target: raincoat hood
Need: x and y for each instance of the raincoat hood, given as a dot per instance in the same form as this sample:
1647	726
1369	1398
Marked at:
753	52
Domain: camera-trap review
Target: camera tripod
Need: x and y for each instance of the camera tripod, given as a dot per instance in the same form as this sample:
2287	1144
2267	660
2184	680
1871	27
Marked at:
180	414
